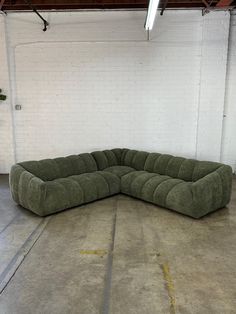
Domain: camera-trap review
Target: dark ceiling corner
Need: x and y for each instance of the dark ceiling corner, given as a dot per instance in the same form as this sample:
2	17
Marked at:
113	4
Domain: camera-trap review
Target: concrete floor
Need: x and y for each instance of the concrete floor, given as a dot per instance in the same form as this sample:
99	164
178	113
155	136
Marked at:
117	255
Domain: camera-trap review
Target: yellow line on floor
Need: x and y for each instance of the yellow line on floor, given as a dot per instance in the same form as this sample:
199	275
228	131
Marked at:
169	286
93	252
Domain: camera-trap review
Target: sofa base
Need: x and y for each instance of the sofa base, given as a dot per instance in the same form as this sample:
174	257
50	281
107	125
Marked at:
41	213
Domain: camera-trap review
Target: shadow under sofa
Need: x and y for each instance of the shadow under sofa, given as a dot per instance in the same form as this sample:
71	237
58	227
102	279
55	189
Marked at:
191	187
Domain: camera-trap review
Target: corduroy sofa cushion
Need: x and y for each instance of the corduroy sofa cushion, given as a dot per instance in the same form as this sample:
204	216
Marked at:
51	169
188	186
119	170
133	158
178	167
47	197
107	158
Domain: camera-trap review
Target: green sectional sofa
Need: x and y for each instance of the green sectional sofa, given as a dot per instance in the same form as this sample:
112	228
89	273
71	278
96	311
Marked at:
191	187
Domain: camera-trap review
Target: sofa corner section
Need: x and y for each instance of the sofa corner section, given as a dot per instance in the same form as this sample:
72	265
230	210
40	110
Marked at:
213	191
27	190
226	174
180	199
14	177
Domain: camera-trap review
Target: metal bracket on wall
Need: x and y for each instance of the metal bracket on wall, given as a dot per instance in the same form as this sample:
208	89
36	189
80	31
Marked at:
206	9
45	23
221	5
164	7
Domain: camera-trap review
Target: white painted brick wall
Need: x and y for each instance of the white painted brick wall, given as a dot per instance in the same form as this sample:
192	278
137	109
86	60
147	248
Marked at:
6	139
229	134
212	85
92	81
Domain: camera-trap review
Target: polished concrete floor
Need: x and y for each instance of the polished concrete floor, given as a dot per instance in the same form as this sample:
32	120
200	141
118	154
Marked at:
117	255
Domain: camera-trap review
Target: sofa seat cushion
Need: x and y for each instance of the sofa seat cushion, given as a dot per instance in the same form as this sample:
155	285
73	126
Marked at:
119	171
78	189
159	189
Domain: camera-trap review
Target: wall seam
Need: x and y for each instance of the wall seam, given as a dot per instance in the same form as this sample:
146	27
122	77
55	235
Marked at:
12	93
199	88
225	93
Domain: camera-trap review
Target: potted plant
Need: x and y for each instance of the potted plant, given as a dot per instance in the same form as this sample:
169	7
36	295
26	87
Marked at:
2	97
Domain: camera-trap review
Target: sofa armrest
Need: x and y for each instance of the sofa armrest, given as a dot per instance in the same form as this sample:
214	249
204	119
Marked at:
212	191
27	189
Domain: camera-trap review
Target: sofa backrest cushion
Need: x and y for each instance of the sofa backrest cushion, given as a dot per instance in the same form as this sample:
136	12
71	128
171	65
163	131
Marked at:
62	167
178	167
164	164
133	158
107	158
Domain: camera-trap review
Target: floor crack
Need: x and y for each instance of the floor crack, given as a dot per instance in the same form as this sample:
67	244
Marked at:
19	257
107	289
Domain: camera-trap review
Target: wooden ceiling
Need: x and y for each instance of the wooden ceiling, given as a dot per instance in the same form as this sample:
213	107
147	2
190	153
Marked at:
111	4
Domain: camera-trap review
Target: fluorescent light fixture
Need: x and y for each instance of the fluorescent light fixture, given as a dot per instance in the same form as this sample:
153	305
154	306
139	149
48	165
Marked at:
152	10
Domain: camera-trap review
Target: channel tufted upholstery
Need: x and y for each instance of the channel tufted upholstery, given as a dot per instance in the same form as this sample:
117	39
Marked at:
188	186
50	169
178	167
119	170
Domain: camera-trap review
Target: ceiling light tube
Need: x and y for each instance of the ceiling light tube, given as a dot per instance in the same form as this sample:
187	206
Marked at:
151	13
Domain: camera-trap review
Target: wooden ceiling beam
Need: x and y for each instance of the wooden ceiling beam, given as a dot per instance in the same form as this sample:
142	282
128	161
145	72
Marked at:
224	3
108	4
1	4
